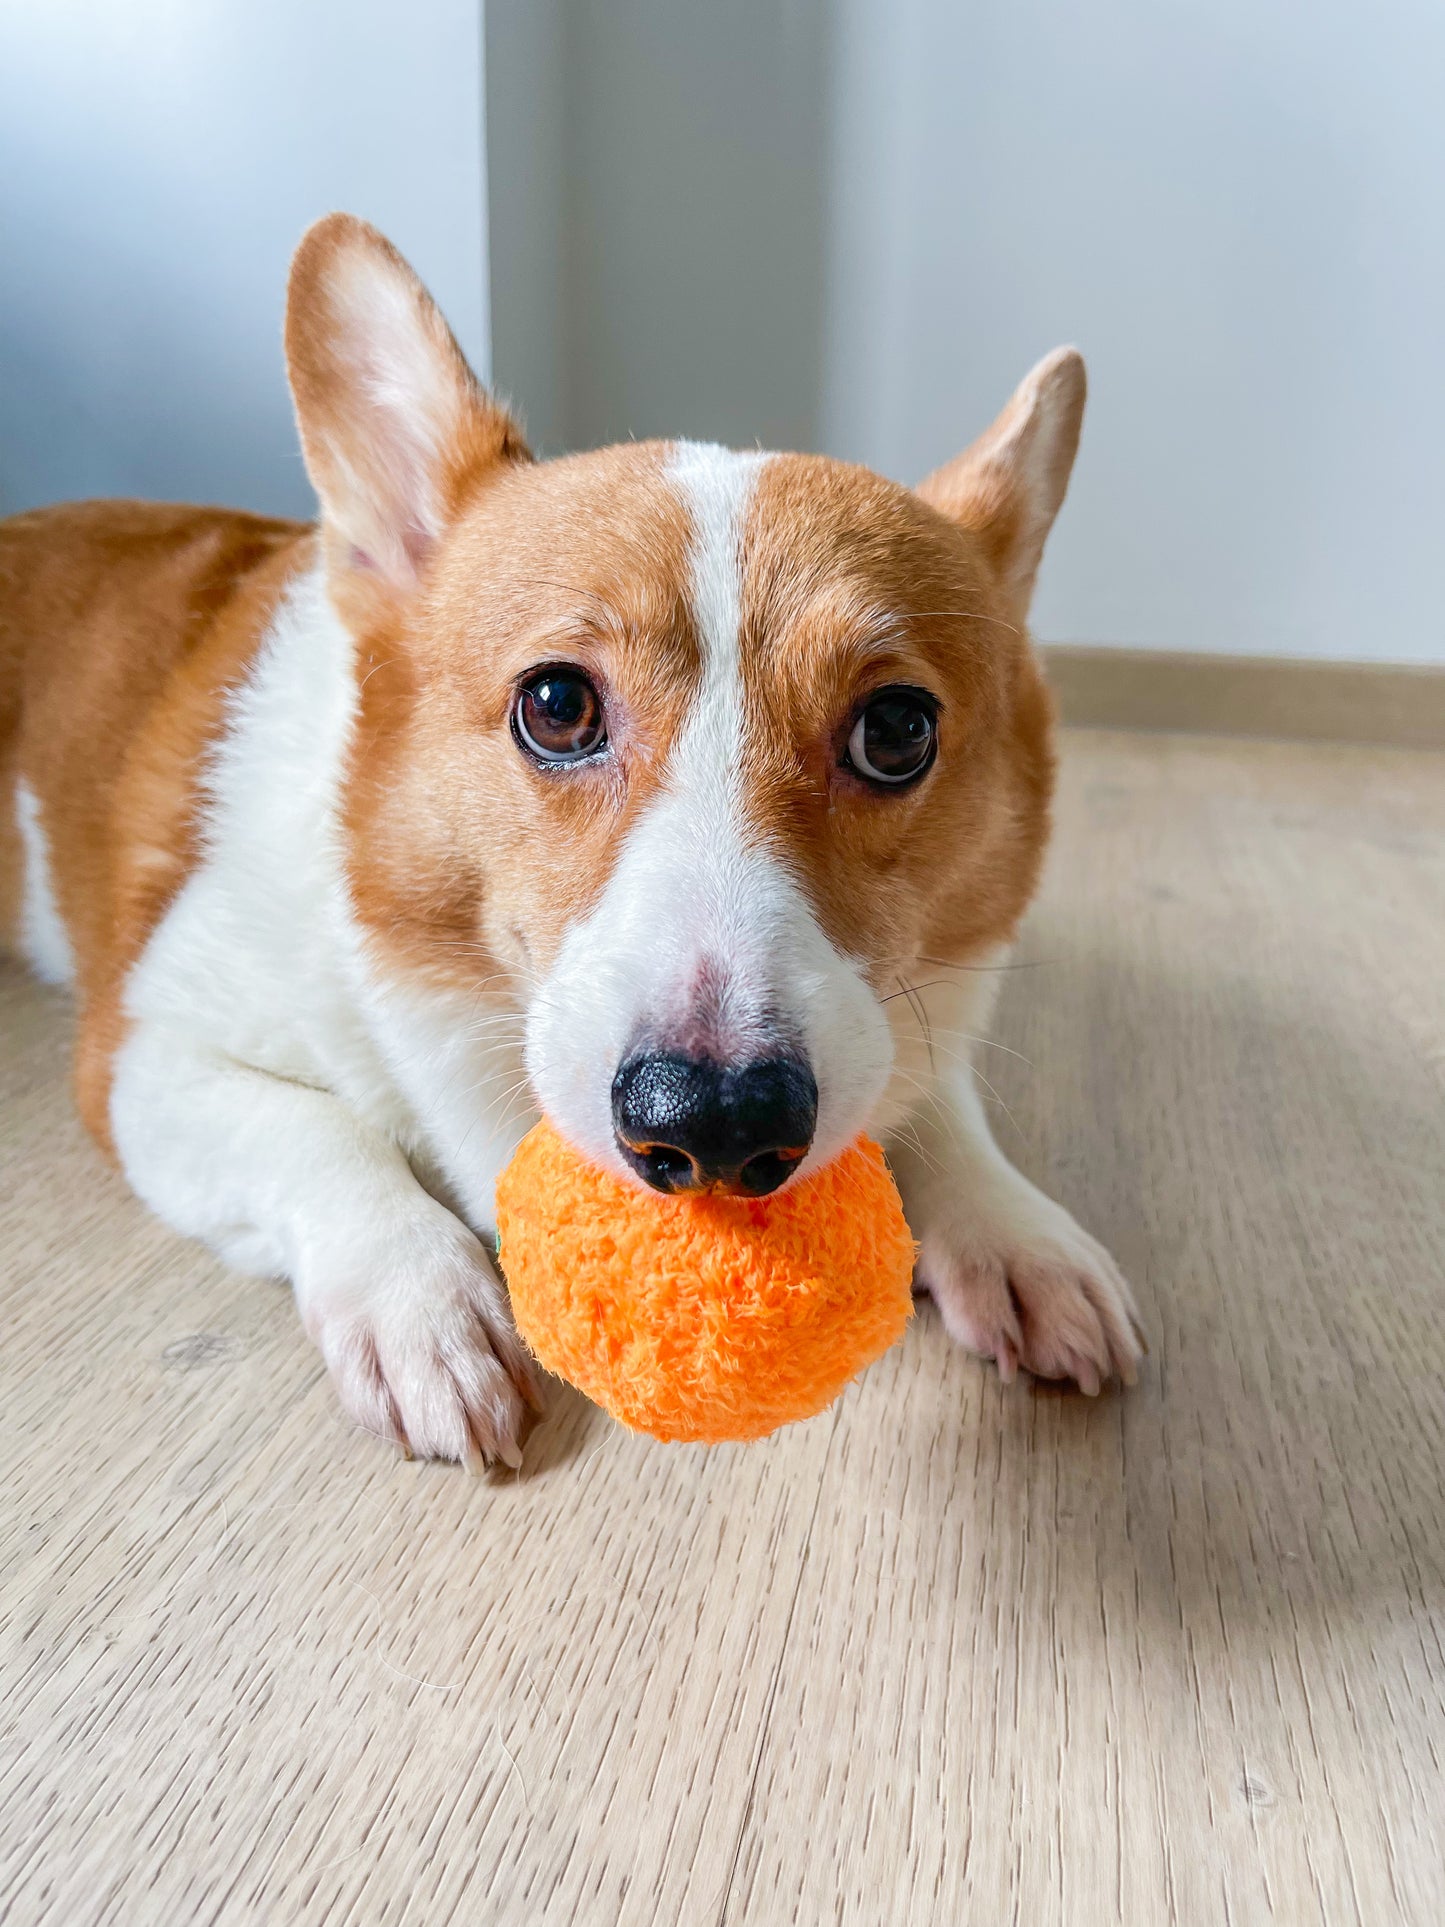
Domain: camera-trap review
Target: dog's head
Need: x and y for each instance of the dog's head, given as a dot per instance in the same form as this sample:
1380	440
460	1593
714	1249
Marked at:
702	752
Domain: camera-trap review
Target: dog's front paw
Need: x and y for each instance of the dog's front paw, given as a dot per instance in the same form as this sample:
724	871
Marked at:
418	1336
1039	1292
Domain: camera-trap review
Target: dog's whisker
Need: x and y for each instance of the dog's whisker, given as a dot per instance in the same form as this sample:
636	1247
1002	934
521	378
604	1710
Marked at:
987	1043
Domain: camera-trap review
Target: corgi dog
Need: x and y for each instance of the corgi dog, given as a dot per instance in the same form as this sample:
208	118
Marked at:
640	787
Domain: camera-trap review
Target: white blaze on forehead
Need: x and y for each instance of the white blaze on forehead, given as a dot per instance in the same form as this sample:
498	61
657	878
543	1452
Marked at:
716	487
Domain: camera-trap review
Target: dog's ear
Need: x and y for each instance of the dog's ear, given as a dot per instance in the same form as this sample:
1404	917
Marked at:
394	425
1008	487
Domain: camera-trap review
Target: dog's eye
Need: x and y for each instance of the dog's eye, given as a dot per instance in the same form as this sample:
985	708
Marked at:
895	738
557	716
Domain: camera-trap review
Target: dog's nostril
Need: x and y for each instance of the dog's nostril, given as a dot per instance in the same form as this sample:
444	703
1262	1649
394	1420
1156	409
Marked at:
668	1170
766	1172
683	1123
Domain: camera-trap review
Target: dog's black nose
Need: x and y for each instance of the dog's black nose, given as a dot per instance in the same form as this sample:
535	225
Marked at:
684	1124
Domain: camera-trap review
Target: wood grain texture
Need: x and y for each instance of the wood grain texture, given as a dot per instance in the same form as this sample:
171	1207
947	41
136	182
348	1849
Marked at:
950	1652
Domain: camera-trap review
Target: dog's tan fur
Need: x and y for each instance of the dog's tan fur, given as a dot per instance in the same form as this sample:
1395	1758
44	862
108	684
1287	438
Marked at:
122	627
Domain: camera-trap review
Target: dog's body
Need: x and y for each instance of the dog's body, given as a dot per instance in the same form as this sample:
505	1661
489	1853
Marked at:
645	785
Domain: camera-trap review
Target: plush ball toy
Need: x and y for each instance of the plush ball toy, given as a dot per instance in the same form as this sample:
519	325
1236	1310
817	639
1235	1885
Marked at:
701	1317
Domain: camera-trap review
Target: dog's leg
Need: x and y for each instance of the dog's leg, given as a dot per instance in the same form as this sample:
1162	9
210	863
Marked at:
279	1177
1014	1277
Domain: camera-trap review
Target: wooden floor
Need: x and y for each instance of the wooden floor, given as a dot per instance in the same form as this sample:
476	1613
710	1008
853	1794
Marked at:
950	1653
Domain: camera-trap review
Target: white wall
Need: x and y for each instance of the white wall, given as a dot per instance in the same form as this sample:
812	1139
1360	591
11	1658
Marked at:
1235	207
659	216
159	159
528	156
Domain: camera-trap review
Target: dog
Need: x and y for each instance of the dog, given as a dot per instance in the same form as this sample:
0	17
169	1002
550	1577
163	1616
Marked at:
643	787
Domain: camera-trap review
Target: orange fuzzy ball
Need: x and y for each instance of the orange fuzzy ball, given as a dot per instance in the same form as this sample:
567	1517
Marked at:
704	1317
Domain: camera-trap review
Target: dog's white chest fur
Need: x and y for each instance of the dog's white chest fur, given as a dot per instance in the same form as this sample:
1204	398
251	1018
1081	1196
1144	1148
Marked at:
259	949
